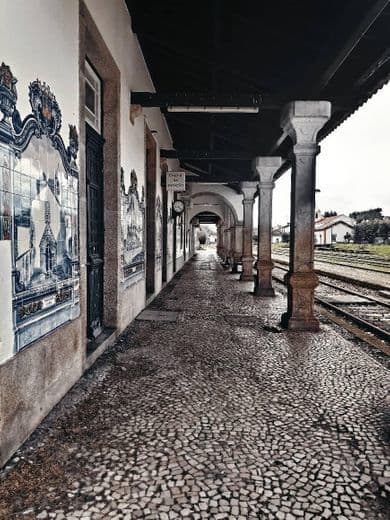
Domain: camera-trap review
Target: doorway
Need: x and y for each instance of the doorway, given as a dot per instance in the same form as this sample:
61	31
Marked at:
165	234
95	234
99	174
151	150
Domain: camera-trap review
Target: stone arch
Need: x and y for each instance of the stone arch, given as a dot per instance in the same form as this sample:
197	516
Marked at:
219	198
193	214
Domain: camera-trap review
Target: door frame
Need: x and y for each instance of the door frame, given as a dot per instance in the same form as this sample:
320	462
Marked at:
93	48
93	333
164	233
150	220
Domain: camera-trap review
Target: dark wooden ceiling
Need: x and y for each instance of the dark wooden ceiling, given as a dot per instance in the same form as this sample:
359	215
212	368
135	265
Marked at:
336	50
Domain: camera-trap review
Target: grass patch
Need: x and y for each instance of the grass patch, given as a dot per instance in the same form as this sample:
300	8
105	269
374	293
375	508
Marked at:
280	245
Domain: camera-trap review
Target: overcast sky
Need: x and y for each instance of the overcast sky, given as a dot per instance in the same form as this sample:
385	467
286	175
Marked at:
353	168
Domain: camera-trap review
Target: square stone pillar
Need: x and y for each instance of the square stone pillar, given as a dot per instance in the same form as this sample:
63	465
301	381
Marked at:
231	245
237	250
187	205
266	167
248	189
302	120
219	240
226	246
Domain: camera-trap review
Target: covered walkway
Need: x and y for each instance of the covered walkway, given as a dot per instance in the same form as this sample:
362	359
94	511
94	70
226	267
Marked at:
219	414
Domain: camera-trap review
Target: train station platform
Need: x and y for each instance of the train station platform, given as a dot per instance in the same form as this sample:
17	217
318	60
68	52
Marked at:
205	408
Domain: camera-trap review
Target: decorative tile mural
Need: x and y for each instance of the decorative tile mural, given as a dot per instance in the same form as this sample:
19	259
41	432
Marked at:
159	230
132	228
38	211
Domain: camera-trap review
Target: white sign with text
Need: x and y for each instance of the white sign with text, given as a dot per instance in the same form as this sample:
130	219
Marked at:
176	181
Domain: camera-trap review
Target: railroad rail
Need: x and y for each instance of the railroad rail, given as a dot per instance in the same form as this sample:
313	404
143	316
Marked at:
345	260
343	277
368	312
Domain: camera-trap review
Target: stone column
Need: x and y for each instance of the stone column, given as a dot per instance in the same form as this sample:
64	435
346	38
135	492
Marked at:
232	245
228	237
266	167
219	239
187	205
237	250
226	246
248	189
302	120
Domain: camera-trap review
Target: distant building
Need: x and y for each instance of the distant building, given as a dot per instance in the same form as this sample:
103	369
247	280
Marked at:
279	232
329	230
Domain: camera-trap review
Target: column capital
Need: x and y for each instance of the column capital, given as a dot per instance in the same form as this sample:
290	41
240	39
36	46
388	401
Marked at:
248	189
187	201
266	167
302	120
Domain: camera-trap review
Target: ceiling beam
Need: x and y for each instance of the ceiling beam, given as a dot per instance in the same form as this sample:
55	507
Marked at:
344	52
357	35
192	56
238	175
223	176
194	99
228	136
373	69
206	155
194	169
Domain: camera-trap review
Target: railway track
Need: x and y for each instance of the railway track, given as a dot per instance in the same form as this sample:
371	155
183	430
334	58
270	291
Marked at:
372	284
368	312
365	264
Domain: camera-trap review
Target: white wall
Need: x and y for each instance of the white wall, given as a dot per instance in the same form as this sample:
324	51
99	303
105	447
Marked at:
114	23
43	42
6	325
48	50
340	230
40	39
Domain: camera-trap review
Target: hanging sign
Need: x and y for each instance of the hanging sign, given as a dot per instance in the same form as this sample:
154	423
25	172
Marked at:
176	181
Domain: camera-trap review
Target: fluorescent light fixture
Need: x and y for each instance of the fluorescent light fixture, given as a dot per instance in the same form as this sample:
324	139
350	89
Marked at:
214	110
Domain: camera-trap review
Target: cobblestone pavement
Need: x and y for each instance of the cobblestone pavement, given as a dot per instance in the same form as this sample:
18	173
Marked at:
220	415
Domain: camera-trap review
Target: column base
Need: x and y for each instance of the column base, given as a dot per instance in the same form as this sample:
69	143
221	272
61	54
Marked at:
300	324
247	269
246	277
263	282
264	291
234	269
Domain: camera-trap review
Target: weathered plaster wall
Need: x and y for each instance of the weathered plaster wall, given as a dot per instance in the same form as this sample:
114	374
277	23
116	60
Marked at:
114	24
35	379
48	50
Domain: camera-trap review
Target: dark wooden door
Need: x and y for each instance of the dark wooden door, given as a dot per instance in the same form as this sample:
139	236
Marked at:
165	233
95	232
151	150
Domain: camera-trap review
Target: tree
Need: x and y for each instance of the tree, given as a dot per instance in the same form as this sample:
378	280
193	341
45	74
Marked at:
370	230
330	214
368	214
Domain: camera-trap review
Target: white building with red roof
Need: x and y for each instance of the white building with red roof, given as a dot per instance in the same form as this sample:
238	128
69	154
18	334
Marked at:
329	230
